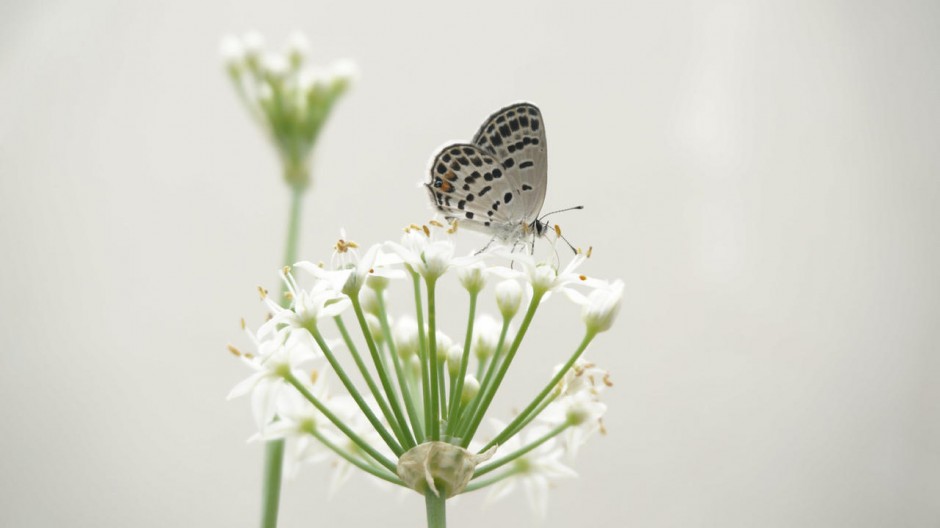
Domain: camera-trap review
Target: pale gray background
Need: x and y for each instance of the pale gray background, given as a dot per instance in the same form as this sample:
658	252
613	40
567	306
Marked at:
763	178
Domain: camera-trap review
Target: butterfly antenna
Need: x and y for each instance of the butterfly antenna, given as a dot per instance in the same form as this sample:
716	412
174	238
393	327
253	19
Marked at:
577	207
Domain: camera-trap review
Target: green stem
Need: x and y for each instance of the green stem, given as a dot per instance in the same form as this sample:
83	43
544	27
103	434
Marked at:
434	426
344	378
396	418
274	449
534	414
368	468
457	389
485	381
500	462
437	510
482	483
423	353
513	426
273	464
399	371
379	457
504	366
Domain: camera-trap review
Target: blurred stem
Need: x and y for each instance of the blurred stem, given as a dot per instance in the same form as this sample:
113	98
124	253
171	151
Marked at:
274	449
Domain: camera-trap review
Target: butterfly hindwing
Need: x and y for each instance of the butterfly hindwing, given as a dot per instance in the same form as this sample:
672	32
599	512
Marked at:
515	136
469	183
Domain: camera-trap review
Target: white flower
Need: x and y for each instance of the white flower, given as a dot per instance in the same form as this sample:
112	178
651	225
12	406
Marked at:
345	70
278	354
508	297
254	44
308	306
232	52
600	307
298	47
297	418
584	376
426	256
545	278
351	272
535	471
583	412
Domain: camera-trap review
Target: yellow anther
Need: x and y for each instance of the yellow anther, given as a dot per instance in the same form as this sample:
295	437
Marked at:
558	230
289	296
590	250
285	270
435	223
235	352
603	429
607	380
314	375
262	292
242	322
582	277
427	232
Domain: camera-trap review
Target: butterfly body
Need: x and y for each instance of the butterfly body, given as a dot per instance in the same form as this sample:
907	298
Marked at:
496	183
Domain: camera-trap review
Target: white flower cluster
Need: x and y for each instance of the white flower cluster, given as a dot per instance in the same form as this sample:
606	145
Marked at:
288	97
417	390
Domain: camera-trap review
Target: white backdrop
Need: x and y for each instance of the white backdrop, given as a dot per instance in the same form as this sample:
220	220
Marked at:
763	177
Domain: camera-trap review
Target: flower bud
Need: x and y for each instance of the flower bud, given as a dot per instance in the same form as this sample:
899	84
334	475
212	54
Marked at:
439	467
443	346
369	300
233	53
543	278
472	277
406	337
485	337
298	47
471	387
601	307
454	357
508	298
375	327
377	282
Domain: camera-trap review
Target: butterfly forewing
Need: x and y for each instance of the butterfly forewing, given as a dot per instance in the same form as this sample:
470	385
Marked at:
515	136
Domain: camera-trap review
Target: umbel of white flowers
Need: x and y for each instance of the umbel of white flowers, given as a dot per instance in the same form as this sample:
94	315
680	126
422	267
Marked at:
287	96
411	415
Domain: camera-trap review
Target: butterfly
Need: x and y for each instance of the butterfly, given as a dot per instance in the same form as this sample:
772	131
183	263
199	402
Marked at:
496	183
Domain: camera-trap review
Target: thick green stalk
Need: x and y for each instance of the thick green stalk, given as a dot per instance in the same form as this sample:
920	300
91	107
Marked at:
504	366
274	449
513	426
436	509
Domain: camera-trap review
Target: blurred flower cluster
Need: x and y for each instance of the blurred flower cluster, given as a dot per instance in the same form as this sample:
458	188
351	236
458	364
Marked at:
287	96
411	415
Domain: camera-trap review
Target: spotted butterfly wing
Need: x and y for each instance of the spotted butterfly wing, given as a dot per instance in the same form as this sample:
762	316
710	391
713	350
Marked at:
498	181
515	135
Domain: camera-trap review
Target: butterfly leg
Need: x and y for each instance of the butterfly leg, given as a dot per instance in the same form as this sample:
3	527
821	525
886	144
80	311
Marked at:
487	246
